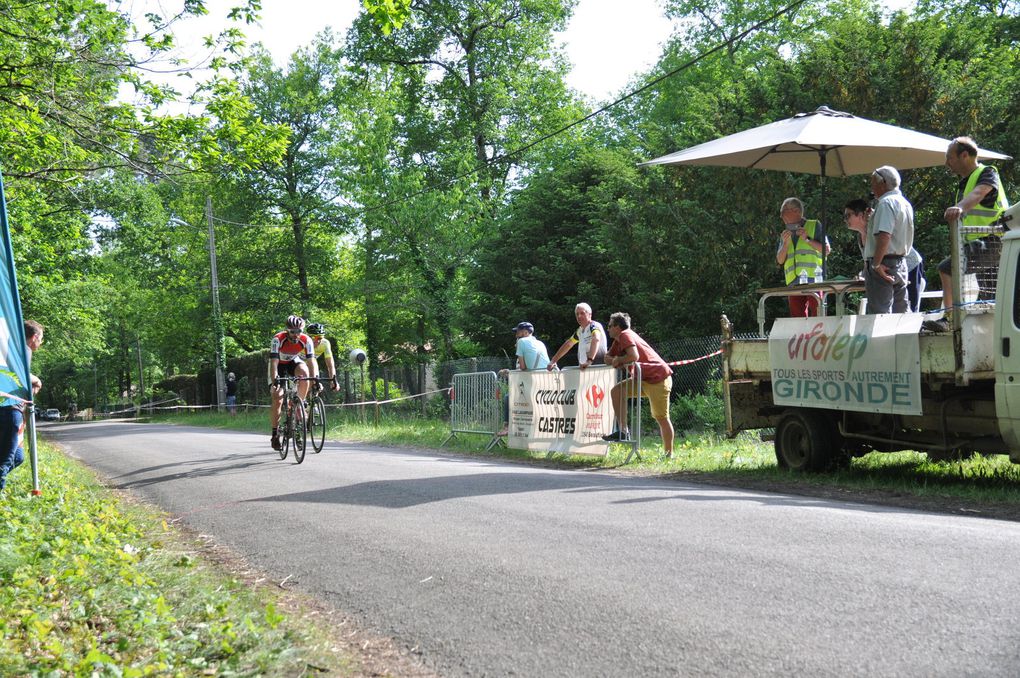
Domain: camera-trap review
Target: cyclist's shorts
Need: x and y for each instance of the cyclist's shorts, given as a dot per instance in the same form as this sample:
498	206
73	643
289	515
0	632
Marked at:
286	369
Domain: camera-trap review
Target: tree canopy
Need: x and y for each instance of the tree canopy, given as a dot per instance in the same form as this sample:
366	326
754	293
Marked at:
390	182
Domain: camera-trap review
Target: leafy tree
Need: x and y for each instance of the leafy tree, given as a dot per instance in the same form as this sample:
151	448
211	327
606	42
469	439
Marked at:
466	82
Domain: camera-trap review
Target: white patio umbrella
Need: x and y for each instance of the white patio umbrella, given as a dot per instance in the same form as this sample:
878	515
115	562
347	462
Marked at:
824	142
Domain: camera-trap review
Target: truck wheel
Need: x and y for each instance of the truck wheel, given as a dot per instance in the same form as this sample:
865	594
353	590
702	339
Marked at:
804	441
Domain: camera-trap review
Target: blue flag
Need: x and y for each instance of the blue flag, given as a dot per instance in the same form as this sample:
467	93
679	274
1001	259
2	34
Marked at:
14	379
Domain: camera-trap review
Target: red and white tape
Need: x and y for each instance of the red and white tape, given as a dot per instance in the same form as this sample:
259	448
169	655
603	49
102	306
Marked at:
694	360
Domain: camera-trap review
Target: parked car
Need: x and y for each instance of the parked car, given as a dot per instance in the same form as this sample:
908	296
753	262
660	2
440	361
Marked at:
51	414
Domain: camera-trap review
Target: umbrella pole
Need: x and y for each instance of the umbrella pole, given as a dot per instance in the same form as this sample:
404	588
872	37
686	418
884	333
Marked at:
821	218
821	162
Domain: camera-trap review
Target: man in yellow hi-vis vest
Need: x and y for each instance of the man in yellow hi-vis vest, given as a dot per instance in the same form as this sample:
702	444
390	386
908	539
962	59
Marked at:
980	201
800	254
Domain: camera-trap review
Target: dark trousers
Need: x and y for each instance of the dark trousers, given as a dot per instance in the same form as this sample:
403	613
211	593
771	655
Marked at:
914	277
11	454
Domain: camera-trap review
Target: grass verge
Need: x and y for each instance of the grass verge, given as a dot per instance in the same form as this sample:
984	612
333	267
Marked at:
993	482
93	585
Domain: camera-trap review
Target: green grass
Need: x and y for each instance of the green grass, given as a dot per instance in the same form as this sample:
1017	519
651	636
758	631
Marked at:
707	457
94	586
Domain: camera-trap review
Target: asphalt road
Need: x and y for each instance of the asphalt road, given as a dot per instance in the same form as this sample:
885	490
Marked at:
494	568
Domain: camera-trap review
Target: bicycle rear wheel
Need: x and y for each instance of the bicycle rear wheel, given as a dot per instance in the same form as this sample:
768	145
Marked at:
317	424
299	430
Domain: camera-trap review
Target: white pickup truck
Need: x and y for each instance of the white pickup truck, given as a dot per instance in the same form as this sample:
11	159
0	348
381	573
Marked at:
843	385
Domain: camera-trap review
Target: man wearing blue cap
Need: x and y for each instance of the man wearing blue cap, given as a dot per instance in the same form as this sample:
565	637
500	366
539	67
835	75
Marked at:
531	353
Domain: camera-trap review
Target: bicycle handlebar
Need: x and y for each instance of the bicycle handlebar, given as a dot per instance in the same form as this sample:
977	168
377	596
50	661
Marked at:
279	381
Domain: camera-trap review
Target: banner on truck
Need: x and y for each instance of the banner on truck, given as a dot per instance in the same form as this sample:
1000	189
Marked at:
863	363
564	411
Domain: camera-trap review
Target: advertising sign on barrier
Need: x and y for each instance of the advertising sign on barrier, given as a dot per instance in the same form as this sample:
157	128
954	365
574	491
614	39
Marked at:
564	411
864	363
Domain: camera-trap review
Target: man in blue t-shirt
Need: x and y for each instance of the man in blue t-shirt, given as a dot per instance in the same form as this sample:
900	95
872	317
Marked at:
531	353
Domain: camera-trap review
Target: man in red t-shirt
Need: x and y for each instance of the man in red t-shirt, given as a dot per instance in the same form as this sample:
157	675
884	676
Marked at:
656	379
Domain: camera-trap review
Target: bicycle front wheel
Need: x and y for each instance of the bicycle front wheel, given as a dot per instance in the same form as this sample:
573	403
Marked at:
299	430
284	432
317	424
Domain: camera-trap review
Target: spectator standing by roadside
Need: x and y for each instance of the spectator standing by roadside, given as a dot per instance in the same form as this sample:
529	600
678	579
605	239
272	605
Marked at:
656	380
980	201
531	355
231	393
531	352
800	250
857	214
12	411
890	236
590	339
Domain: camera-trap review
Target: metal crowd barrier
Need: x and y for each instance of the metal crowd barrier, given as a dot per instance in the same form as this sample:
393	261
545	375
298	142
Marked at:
476	406
631	408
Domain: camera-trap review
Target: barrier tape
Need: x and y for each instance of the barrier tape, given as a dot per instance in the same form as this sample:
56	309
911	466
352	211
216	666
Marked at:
256	405
678	363
14	397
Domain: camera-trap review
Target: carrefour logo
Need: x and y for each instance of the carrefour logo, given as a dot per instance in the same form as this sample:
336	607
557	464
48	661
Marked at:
594	395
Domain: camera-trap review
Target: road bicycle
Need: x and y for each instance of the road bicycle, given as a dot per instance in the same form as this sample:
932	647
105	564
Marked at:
317	417
293	419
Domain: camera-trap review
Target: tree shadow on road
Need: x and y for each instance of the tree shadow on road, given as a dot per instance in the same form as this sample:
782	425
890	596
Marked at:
410	492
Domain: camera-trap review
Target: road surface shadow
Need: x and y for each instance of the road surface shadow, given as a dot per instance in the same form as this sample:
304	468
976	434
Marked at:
409	492
198	468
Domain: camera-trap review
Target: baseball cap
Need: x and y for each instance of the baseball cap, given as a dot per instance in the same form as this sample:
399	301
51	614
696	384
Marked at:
524	325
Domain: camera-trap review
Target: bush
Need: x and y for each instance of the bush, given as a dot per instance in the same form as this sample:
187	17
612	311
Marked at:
700	411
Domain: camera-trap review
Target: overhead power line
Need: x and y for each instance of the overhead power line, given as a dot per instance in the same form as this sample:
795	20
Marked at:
655	81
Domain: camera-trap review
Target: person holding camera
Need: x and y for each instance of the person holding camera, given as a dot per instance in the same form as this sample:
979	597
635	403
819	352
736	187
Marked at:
800	253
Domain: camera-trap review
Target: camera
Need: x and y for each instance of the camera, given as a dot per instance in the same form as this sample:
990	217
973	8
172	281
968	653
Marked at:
357	356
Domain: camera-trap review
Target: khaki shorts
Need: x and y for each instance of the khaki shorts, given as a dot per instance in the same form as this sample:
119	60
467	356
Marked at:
657	394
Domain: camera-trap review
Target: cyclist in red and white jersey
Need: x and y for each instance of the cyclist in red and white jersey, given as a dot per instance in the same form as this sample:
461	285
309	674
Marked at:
291	354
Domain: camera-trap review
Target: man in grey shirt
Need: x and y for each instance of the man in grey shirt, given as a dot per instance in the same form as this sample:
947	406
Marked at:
890	236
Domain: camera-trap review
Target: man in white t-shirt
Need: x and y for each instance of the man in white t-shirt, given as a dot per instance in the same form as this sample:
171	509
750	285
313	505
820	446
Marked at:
590	339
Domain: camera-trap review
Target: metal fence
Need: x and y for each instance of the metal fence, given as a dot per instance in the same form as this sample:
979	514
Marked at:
631	411
476	406
696	404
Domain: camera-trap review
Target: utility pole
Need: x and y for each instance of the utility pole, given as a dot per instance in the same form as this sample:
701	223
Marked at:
217	320
141	373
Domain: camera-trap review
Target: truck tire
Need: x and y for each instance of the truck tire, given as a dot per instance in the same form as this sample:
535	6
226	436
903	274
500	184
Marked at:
804	441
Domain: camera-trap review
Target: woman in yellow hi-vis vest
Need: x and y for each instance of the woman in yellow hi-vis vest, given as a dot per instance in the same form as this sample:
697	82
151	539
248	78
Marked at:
800	254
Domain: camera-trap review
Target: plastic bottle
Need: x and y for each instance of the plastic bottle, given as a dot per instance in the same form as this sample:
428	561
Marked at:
802	278
818	273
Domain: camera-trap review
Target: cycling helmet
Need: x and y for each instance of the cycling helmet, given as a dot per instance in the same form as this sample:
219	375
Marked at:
316	328
295	322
